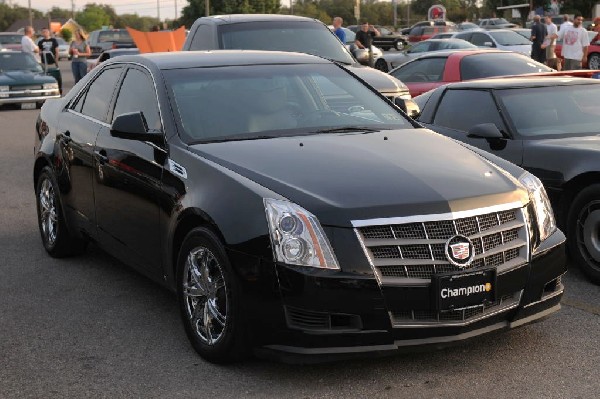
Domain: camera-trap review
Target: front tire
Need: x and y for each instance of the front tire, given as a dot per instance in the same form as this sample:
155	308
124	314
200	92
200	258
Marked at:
584	231
209	298
56	238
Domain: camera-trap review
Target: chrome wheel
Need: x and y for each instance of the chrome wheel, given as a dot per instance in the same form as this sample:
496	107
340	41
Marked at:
48	213
588	233
205	295
594	61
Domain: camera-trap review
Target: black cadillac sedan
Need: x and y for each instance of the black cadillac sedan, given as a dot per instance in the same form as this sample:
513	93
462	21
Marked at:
291	207
547	125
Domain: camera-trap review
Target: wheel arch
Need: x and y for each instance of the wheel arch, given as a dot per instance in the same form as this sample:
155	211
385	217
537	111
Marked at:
188	220
574	186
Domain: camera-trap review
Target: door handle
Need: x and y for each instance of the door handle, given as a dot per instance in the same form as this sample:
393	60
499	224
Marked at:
102	156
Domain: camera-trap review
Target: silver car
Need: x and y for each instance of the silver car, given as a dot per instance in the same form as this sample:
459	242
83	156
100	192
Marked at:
501	39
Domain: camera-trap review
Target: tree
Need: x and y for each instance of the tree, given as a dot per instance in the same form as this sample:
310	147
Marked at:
57	12
66	34
93	17
195	8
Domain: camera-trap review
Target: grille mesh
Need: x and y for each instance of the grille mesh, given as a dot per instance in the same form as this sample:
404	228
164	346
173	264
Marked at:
487	232
459	315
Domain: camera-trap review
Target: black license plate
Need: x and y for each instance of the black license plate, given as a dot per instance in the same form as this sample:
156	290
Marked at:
461	290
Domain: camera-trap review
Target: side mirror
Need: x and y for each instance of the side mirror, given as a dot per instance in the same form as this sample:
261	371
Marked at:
133	126
485	131
400	103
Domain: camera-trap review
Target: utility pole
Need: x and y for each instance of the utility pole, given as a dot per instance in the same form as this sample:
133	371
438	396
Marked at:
30	14
73	9
206	7
394	5
175	18
158	10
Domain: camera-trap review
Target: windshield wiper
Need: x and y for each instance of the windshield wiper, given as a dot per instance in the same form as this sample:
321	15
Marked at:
350	129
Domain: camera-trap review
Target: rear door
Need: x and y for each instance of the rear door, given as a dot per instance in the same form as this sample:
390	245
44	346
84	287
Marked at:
79	126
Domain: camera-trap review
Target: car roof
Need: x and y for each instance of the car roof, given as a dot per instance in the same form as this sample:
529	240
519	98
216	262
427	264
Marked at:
460	52
213	58
236	18
522	82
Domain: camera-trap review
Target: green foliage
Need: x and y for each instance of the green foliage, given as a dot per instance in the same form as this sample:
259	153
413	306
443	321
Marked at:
66	34
196	8
93	17
10	14
135	21
57	12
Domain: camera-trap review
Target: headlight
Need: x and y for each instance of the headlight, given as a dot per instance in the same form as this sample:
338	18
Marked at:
297	236
4	91
50	86
543	210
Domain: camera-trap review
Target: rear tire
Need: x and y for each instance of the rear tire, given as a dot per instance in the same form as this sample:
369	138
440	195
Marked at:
209	298
584	231
594	61
56	238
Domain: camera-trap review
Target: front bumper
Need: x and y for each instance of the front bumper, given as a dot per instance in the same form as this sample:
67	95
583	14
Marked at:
28	96
333	313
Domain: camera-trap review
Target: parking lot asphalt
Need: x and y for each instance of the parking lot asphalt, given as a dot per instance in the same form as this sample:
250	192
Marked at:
91	327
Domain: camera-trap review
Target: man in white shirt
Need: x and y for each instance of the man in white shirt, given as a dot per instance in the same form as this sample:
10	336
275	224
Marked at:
566	22
550	44
575	43
27	44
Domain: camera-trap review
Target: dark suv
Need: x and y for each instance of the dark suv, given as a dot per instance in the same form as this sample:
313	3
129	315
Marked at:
106	39
290	33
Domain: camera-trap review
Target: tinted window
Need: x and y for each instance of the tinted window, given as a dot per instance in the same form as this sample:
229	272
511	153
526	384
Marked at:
18	62
421	70
479	39
301	37
138	94
498	64
557	110
464	36
114	36
10	39
99	94
202	38
421	47
456	110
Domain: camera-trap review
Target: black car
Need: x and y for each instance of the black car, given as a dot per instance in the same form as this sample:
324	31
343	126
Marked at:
289	33
291	207
387	39
548	126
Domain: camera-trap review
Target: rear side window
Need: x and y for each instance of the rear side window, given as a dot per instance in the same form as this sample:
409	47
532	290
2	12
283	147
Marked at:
202	39
487	65
114	36
455	110
99	94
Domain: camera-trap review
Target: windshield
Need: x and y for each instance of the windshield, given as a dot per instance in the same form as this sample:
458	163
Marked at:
18	62
487	65
553	111
246	102
10	39
297	36
509	38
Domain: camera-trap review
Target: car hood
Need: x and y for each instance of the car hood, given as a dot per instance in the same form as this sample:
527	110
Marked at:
24	78
345	177
382	82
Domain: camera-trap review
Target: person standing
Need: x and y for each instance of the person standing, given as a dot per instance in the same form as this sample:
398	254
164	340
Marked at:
364	37
566	22
48	48
550	44
538	34
27	44
337	29
80	51
575	43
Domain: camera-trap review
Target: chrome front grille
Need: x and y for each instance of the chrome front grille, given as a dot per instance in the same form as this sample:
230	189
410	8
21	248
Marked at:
417	250
457	316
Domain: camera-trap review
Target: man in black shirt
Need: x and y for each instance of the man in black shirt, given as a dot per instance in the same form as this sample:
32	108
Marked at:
538	34
364	37
48	48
